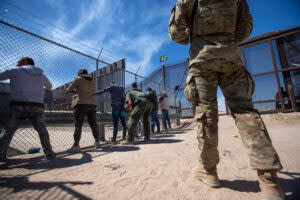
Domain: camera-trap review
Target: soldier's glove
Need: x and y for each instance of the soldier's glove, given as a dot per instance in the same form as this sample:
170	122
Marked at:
190	90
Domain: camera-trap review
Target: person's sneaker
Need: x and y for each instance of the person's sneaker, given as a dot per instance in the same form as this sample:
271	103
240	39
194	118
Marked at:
209	178
269	185
50	156
157	132
74	149
97	145
126	142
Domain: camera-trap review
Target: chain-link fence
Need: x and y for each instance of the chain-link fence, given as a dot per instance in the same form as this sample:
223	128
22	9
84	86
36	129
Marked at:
171	78
60	64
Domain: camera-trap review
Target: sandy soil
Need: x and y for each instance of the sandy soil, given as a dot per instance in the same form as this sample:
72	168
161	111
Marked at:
160	169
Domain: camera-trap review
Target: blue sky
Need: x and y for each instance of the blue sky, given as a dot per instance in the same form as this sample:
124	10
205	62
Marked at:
136	30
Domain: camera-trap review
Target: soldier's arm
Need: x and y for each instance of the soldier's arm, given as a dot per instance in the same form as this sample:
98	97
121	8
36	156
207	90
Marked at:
244	21
179	24
99	92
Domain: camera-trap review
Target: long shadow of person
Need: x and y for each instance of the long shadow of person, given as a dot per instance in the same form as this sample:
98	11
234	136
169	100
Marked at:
291	186
240	185
9	186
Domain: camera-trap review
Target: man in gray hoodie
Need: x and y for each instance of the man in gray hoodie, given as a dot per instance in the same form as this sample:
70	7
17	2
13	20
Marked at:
27	86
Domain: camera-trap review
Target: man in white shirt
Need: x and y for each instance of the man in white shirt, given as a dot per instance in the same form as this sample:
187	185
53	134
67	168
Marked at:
27	87
164	107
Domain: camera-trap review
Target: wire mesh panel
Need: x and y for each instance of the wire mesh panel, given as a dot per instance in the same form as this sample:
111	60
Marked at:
175	76
130	78
60	64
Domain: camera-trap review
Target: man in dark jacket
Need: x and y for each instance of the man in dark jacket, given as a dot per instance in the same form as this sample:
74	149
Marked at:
84	103
153	116
27	85
117	105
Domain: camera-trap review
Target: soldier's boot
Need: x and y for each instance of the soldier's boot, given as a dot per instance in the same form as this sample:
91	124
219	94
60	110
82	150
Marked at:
209	177
269	185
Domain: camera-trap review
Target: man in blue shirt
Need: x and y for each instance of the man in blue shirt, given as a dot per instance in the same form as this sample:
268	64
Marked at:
117	105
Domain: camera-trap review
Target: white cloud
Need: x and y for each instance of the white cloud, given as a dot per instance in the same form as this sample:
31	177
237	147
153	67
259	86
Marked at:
90	12
114	27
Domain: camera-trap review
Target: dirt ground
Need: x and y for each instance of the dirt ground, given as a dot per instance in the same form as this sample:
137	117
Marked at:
160	169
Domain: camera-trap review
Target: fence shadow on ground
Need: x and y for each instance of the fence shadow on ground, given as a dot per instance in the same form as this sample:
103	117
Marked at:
186	124
33	190
158	141
162	136
114	148
61	160
41	163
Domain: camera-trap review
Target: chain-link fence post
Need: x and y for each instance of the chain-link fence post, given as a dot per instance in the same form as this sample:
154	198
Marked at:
164	76
178	112
97	69
101	126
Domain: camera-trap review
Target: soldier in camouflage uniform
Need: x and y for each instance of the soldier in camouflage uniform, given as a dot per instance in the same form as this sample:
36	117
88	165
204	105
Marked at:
213	27
138	105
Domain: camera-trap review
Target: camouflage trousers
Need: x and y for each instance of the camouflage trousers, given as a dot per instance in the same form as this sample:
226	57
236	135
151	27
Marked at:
142	109
237	87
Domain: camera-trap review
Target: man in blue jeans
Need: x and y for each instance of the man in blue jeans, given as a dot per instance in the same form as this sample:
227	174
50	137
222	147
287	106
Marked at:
164	107
27	87
117	105
153	116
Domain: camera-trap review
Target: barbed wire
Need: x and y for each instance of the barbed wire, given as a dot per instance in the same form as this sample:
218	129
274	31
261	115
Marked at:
106	53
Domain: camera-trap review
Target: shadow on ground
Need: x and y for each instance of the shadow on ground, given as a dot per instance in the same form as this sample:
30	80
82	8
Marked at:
240	185
290	186
34	190
62	160
158	141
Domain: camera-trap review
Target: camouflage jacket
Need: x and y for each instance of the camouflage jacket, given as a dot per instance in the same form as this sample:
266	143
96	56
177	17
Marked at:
217	27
